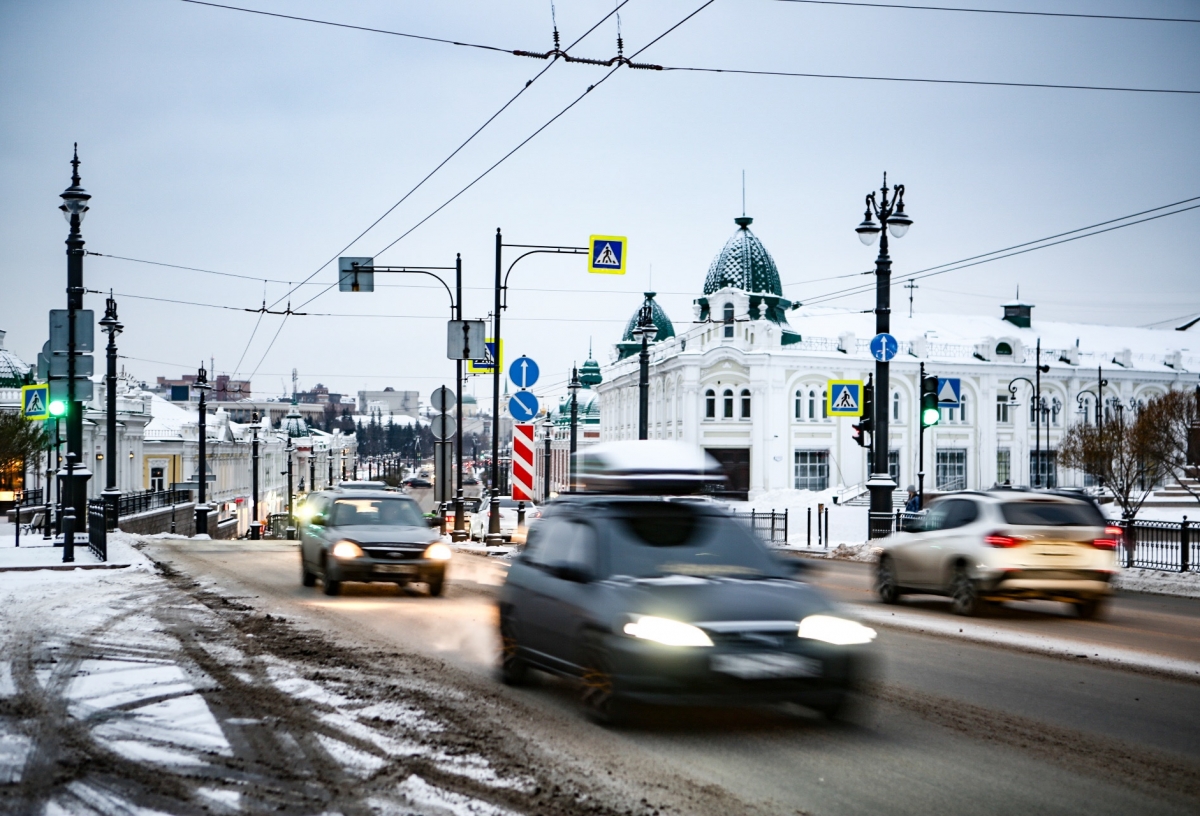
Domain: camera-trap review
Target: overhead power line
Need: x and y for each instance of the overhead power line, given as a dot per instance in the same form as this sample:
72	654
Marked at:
995	11
926	80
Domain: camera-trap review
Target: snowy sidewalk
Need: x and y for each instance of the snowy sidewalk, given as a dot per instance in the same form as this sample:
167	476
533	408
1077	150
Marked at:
38	553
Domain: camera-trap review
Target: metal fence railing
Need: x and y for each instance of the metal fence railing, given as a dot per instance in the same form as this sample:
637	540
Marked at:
97	523
1159	545
134	503
771	526
31	498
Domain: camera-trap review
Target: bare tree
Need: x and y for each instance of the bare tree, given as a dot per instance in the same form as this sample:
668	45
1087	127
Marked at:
1172	428
20	441
1122	455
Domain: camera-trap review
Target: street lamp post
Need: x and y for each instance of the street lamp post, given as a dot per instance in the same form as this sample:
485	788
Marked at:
255	533
112	493
291	525
646	332
547	432
1038	407
893	219
202	450
74	208
1098	396
573	387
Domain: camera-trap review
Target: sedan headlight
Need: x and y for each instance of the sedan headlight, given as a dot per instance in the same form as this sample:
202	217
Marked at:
347	549
838	631
437	552
666	631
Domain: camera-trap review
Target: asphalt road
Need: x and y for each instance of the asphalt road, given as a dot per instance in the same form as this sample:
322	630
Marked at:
952	726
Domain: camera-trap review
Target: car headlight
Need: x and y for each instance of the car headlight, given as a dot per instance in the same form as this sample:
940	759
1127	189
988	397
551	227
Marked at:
666	631
838	631
347	549
437	552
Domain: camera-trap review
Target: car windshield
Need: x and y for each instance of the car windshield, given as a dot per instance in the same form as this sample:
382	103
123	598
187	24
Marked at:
508	503
376	513
673	538
1052	514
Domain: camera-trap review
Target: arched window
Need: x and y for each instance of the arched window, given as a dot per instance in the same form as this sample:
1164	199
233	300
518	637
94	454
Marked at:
799	405
824	405
896	406
729	320
710	404
1003	350
812	405
745	403
1055	410
962	406
728	399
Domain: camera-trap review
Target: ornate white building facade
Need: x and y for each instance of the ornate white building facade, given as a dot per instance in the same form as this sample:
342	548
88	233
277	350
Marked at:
747	381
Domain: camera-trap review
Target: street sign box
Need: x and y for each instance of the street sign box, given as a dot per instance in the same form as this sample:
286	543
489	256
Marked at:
35	401
85	330
352	277
522	463
949	392
884	347
523	406
523	372
465	339
483	365
443	427
606	254
844	398
85	366
443	399
84	390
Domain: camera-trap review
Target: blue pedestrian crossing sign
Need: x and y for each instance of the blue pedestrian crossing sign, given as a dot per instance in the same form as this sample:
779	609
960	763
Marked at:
606	254
523	406
523	372
35	401
949	392
844	398
485	365
884	347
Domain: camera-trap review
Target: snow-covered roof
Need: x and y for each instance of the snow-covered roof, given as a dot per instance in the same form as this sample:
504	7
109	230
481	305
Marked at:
167	419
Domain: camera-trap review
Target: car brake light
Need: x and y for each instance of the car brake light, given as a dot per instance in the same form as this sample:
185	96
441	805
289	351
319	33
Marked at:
997	540
1112	538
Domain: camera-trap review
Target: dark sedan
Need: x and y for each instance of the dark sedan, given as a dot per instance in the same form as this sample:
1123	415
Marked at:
671	601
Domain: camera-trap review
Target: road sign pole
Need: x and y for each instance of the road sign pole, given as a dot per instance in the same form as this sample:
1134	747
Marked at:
920	444
493	533
459	527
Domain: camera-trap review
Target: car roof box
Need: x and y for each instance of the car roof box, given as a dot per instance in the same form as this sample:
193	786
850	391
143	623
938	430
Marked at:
650	466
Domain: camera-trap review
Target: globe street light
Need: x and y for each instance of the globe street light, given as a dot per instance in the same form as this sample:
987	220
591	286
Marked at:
645	331
893	219
573	387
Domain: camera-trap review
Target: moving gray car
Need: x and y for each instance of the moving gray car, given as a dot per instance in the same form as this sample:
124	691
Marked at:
370	536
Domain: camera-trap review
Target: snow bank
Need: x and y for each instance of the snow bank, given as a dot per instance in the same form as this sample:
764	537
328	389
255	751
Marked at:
1158	582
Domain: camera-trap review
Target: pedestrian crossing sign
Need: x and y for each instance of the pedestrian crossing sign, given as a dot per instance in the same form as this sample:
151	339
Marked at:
606	254
35	401
487	365
844	398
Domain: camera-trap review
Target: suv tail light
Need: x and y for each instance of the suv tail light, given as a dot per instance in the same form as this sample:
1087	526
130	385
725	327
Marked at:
997	540
1111	540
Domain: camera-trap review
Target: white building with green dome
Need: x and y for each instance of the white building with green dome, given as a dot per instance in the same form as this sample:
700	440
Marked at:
747	379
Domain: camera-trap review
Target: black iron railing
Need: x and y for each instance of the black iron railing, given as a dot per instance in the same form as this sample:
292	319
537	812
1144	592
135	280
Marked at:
32	497
134	503
1159	545
771	526
97	528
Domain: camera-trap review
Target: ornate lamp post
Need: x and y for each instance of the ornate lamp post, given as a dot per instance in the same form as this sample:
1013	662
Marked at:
112	493
74	208
202	454
645	331
1098	396
1038	408
573	387
893	219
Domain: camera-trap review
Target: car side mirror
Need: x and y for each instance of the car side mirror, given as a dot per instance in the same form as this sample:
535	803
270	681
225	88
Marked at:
433	521
317	520
572	572
798	567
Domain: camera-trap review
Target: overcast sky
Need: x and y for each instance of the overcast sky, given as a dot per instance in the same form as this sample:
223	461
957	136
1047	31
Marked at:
260	147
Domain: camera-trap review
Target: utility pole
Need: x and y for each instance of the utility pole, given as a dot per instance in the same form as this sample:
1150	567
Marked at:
255	532
460	532
202	450
573	387
910	286
291	525
112	493
646	331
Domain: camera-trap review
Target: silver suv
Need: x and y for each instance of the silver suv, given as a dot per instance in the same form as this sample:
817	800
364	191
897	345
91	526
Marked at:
993	546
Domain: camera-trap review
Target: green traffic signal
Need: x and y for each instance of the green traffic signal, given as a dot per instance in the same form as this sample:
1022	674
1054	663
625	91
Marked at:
58	408
930	413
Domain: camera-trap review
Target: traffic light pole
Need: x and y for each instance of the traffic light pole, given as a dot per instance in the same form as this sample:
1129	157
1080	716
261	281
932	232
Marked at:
880	482
921	443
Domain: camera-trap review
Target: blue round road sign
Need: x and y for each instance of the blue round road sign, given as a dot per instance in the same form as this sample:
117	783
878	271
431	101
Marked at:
523	372
884	347
523	406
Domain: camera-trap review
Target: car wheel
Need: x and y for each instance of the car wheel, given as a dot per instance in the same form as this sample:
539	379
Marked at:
885	581
833	705
332	587
964	594
598	689
514	671
307	578
1090	609
436	584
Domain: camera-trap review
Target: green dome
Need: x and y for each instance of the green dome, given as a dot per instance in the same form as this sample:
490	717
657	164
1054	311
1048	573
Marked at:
744	264
294	424
666	329
14	372
589	373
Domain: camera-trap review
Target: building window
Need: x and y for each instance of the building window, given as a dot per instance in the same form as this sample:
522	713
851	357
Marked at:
158	480
896	406
799	405
812	405
812	469
1055	411
1002	406
1003	466
824	405
894	465
710	404
962	409
745	403
729	320
951	469
1003	350
1043	464
728	399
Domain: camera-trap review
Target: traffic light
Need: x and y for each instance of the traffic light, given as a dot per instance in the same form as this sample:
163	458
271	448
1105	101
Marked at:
866	423
930	413
58	408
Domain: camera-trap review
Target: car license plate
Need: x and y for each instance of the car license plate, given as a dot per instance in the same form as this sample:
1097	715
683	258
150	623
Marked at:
766	665
403	569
